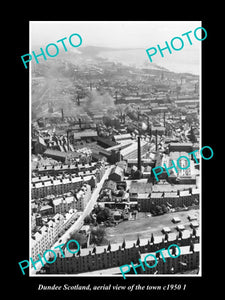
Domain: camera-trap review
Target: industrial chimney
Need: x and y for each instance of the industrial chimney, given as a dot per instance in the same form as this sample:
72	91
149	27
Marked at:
78	100
68	139
79	122
139	153
62	114
156	140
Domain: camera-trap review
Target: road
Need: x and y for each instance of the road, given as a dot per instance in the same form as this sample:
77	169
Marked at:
78	224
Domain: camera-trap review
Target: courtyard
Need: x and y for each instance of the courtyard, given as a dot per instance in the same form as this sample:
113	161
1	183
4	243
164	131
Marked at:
145	225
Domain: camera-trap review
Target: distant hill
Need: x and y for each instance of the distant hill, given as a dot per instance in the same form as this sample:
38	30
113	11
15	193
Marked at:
127	56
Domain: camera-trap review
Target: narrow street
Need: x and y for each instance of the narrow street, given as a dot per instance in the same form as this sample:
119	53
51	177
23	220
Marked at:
78	224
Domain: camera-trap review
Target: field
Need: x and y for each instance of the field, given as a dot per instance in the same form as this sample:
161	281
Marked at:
144	225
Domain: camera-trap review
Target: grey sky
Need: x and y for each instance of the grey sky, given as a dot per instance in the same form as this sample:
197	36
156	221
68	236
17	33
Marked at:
124	34
135	34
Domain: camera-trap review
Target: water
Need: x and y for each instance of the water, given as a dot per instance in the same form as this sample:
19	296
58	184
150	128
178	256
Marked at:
181	61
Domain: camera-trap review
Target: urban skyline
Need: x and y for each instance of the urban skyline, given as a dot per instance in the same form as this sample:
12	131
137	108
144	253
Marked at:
125	35
92	158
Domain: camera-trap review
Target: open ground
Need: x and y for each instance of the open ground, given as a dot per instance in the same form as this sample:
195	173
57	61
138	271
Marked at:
145	224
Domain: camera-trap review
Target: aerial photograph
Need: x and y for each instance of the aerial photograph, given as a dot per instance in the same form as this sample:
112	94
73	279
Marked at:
115	140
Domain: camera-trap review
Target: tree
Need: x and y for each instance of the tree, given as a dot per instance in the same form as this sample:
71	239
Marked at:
97	235
192	136
104	214
88	219
152	211
158	210
97	209
121	193
80	238
164	208
107	121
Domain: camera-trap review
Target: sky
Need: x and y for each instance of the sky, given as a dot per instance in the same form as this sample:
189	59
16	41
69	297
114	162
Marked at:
122	34
111	33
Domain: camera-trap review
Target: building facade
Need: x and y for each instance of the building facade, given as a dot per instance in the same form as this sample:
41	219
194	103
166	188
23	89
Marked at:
60	186
103	257
43	239
83	196
63	204
49	233
172	199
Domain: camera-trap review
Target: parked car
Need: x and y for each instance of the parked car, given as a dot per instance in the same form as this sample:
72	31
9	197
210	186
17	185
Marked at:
176	220
166	230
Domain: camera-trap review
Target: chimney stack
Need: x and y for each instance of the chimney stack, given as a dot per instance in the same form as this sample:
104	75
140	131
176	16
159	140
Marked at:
139	153
78	100
79	122
68	139
156	140
62	114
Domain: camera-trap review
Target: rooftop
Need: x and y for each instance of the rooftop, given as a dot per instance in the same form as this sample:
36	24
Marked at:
122	136
117	170
181	144
184	250
140	187
156	195
58	153
171	188
45	207
171	195
109	184
130	244
131	148
85	133
184	193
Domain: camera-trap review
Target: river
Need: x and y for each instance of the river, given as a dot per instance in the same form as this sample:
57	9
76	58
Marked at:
185	61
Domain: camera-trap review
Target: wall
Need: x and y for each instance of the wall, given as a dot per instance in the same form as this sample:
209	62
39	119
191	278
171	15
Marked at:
146	204
78	264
